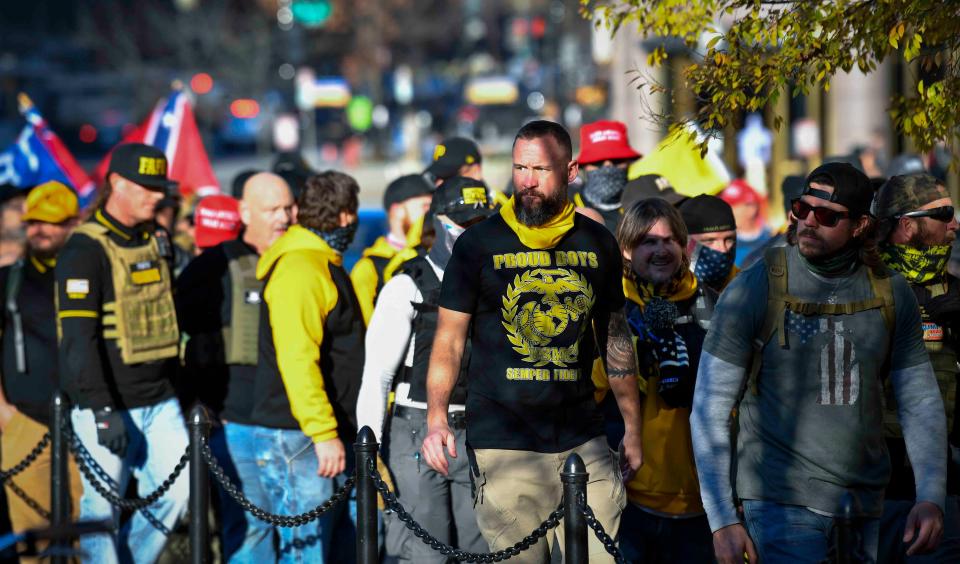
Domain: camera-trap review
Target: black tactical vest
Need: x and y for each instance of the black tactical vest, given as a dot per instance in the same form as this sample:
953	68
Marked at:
424	328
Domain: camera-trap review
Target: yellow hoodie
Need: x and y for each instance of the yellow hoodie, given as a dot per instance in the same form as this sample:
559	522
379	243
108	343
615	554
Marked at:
367	274
300	293
667	482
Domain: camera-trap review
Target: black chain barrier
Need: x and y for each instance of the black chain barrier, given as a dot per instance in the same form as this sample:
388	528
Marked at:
31	503
6	475
90	469
277	520
392	503
27	460
609	544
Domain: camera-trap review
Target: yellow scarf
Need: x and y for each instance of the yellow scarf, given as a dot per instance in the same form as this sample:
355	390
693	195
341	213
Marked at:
679	289
544	236
43	265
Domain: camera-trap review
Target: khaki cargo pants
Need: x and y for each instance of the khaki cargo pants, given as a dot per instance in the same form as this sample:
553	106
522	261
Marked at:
17	440
517	490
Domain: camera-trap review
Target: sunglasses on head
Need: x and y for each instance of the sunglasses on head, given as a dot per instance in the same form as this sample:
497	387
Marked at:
943	213
825	216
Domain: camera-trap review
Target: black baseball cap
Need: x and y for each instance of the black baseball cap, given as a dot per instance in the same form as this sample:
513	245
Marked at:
404	188
707	214
851	187
143	164
461	199
452	154
791	187
650	186
294	169
236	186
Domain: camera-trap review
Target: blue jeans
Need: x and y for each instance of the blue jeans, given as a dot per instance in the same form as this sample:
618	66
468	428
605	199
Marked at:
894	551
793	534
288	478
651	539
246	539
157	439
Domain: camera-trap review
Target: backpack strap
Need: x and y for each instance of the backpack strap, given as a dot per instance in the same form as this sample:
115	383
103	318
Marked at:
12	291
883	290
779	302
776	262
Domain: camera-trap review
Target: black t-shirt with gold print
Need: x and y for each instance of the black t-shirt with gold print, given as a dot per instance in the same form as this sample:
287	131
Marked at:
528	382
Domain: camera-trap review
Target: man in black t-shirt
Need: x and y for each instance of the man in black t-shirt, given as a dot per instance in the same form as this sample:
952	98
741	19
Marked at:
29	352
540	286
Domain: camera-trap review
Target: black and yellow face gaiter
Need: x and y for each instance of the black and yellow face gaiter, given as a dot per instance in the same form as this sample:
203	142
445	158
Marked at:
917	265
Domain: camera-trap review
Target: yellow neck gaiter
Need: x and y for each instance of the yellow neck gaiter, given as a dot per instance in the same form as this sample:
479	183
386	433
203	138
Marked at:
43	265
544	236
682	287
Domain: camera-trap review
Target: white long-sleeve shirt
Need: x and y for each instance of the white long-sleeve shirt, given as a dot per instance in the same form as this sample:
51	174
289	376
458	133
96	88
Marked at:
390	342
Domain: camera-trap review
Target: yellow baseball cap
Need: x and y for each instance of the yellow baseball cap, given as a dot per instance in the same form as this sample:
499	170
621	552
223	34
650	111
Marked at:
51	202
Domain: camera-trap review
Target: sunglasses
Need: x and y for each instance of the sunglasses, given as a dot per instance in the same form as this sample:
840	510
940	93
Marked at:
825	216
943	213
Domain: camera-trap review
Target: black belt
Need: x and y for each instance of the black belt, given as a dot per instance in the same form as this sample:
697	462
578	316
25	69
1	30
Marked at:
456	419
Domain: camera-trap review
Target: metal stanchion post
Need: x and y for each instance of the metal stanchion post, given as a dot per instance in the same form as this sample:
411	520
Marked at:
59	477
366	451
574	478
843	531
199	487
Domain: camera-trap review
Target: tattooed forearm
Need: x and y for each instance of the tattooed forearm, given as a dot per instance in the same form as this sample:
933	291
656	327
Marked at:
620	358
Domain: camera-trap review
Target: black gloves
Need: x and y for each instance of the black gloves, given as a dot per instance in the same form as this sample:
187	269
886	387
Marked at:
111	430
944	310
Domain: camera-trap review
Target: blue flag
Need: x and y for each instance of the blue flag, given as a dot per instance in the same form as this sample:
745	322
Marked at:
39	156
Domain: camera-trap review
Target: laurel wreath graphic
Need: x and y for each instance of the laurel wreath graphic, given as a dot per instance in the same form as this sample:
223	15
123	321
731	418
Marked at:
528	340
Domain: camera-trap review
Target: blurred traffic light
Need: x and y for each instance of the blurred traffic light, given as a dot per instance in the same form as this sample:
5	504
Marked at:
201	83
311	13
244	108
88	133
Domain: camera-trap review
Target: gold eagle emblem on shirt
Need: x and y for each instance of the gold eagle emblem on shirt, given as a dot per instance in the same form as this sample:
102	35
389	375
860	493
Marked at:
562	296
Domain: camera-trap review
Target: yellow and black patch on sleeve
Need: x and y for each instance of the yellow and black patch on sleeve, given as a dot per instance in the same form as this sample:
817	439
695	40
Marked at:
77	288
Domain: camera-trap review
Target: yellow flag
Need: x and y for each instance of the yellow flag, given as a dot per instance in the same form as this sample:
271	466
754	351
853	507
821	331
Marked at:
677	158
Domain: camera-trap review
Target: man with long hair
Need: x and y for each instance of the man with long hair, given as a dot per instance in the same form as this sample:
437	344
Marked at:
807	336
119	340
668	311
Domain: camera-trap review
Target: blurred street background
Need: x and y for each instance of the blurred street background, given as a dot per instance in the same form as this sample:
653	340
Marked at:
370	86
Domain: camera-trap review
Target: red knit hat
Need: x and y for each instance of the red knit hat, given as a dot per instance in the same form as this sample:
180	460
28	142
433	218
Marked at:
217	219
605	140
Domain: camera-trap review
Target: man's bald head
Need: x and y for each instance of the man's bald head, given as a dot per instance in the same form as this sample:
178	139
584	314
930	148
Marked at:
267	208
264	185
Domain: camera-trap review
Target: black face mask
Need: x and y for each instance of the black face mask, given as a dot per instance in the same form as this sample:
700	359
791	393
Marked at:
711	267
341	237
603	187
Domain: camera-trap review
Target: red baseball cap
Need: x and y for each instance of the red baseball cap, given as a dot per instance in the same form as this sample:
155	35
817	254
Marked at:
217	219
739	192
605	140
